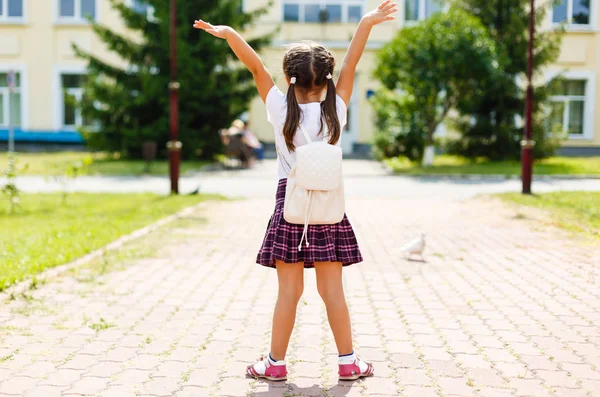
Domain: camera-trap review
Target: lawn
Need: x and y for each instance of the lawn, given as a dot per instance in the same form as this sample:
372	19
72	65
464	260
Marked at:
46	233
577	212
102	164
448	165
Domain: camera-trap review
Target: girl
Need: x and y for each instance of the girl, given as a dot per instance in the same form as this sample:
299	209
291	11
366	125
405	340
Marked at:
308	70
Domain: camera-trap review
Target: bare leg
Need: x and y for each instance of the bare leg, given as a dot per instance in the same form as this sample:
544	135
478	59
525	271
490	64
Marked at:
331	289
291	285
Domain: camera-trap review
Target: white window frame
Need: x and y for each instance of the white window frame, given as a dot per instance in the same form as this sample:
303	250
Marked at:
301	14
58	104
422	11
5	19
570	26
76	19
23	90
149	12
589	98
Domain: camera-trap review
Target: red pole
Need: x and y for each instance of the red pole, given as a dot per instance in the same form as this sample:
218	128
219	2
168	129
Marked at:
174	146
527	143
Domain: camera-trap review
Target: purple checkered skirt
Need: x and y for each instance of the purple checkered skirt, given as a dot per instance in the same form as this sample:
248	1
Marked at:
328	243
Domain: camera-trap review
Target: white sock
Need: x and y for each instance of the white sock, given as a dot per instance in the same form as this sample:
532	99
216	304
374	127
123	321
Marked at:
273	362
347	359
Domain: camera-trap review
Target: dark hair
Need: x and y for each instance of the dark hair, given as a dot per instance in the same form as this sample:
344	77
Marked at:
310	64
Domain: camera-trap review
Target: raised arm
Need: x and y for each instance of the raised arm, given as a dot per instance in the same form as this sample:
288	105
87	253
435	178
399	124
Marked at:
383	13
245	53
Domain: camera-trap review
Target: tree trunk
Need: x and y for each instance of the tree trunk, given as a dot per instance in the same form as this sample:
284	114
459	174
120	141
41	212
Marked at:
428	156
429	153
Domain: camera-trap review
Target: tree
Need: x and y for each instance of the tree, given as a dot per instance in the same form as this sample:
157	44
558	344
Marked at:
130	104
429	69
488	124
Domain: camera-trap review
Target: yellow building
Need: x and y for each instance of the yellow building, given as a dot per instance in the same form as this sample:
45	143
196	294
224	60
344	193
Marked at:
574	105
36	38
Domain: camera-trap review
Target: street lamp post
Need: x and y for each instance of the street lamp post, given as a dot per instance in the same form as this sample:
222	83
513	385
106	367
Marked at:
174	146
528	143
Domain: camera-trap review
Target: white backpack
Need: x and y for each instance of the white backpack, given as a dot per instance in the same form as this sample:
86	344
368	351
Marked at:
315	191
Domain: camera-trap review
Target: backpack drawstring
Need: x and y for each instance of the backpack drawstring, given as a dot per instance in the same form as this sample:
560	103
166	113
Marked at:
307	213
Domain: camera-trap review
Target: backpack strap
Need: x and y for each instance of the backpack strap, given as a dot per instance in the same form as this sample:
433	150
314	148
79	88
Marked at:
306	136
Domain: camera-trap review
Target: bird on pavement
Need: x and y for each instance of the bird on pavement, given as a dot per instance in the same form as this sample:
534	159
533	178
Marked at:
415	247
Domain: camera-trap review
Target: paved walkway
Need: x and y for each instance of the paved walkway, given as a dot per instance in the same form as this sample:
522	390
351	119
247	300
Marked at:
363	179
499	308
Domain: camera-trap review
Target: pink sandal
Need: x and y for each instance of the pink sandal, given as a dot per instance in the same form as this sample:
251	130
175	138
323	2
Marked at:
265	369
358	369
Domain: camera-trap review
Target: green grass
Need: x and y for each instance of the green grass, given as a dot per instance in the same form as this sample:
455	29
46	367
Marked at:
45	233
576	212
449	165
53	163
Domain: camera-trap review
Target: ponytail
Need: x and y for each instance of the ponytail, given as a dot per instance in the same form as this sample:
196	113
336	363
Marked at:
329	114
292	119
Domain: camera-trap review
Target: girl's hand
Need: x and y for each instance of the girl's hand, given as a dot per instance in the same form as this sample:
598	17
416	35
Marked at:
219	31
382	13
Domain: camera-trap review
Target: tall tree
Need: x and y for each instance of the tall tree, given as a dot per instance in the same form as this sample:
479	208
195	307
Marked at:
129	101
429	69
489	127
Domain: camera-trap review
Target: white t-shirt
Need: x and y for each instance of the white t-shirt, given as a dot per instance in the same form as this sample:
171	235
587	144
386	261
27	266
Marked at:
311	120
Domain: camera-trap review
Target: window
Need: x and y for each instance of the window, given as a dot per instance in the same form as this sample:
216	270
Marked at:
291	12
76	10
417	10
10	103
143	8
567	105
11	10
573	12
315	11
72	87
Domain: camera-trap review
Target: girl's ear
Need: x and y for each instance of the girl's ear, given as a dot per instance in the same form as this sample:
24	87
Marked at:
287	80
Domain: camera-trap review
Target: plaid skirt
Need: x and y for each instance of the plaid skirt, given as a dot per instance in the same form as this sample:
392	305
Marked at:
328	243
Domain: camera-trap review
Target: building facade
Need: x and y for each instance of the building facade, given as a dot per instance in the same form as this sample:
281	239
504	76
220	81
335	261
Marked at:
36	38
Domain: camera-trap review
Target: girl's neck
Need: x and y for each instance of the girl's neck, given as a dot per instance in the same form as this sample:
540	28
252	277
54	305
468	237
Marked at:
308	97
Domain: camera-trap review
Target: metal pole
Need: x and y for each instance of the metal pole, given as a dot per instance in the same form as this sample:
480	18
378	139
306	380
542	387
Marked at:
527	143
174	146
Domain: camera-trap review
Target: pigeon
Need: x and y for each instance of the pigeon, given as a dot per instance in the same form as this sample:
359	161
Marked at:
415	247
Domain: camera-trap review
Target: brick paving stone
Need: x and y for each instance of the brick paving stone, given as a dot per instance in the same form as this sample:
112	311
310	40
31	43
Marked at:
62	377
582	371
384	386
456	386
80	361
529	387
413	377
486	377
494	392
38	369
87	385
539	362
306	387
192	391
417	391
131	377
233	387
444	368
564	392
473	361
45	391
406	361
161	386
557	378
18	385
